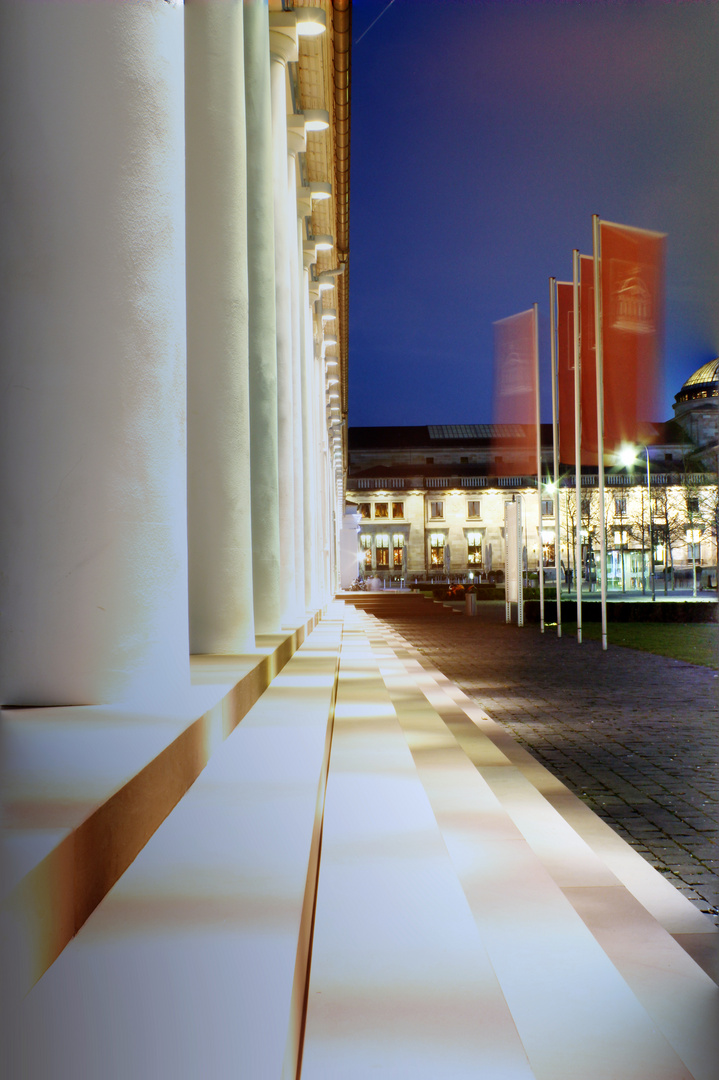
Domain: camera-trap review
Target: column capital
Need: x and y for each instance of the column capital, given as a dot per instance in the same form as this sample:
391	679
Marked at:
283	36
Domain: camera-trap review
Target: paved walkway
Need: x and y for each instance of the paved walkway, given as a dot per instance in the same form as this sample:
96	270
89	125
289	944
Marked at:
634	735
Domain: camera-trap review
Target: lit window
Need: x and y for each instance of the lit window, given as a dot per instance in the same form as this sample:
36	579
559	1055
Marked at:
620	506
436	549
363	509
397	509
473	508
620	536
382	547
474	549
381	510
436	509
693	535
397	546
366	549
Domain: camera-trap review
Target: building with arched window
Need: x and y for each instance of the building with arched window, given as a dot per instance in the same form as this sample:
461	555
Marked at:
442	482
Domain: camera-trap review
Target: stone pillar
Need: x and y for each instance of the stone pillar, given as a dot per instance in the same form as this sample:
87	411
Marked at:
218	412
92	425
283	48
309	442
265	512
297	300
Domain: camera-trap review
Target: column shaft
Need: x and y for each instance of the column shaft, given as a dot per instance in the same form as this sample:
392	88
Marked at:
218	419
264	453
94	557
298	455
283	301
309	444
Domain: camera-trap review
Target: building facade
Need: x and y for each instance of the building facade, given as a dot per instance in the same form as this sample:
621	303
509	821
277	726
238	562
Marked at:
429	503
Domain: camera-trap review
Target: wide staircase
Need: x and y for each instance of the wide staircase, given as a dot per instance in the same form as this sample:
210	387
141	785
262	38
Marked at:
370	878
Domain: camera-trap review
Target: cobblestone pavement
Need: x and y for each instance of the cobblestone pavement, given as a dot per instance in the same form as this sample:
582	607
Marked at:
634	735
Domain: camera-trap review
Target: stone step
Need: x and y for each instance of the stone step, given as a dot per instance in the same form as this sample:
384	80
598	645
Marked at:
401	984
195	963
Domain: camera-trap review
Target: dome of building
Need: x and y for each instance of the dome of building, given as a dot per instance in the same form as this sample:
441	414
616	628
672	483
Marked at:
703	383
696	407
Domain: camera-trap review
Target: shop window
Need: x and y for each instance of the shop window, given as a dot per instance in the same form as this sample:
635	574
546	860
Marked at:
382	549
473	508
436	509
397	509
363	509
366	550
474	549
397	547
620	505
381	509
436	550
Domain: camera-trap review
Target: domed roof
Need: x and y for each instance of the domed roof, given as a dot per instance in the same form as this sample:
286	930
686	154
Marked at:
699	389
707	373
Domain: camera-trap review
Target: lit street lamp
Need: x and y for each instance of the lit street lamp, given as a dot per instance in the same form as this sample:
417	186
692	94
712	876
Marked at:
628	457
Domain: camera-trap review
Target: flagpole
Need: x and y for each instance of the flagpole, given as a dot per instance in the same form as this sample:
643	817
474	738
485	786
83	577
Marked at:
600	421
555	442
537	413
577	446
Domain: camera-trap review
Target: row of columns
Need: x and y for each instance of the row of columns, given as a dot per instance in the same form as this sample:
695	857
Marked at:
163	439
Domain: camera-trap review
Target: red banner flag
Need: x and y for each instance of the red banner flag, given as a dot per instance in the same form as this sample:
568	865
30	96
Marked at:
515	395
588	360
565	370
632	294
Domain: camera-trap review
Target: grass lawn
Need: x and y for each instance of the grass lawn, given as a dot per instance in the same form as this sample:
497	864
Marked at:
697	643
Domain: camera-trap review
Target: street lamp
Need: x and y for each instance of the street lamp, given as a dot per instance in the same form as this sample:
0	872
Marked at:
628	456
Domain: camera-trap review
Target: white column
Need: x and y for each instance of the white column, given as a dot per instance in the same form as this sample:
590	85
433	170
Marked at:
218	413
296	298
92	424
262	322
309	442
282	49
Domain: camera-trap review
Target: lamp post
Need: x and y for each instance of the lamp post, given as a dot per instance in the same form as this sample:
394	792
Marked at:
651	529
628	457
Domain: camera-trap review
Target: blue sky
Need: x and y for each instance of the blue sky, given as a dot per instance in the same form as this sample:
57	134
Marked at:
484	136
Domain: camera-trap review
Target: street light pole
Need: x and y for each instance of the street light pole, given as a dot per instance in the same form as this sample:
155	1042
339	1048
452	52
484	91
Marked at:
651	531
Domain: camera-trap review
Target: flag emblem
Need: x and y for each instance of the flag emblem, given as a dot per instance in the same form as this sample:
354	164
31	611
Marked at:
632	290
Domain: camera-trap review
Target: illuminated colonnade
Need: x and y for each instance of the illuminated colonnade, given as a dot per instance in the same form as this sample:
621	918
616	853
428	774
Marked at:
163	459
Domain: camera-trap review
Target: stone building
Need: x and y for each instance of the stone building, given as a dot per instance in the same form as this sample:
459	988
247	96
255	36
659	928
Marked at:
430	502
174	245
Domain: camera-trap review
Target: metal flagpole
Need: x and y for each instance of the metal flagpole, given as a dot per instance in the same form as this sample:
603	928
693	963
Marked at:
555	446
577	446
600	422
537	413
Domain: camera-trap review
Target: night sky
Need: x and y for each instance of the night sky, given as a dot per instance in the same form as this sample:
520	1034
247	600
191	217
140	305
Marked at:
484	136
